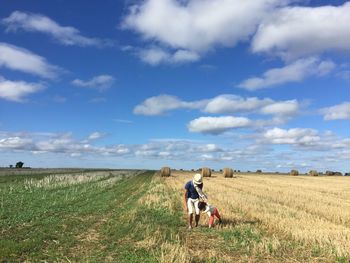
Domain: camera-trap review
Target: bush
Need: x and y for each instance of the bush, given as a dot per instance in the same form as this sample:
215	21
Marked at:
19	164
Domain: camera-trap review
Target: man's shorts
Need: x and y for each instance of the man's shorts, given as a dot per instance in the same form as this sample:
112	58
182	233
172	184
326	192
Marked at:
192	205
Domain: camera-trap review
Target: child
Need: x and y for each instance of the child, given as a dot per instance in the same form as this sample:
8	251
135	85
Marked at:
211	211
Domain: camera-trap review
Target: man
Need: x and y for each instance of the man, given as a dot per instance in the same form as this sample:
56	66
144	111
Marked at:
193	191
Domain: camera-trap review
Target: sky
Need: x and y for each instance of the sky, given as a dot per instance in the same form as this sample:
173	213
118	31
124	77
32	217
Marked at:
254	84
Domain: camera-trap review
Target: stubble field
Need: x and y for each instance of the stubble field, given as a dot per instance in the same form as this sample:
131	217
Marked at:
136	216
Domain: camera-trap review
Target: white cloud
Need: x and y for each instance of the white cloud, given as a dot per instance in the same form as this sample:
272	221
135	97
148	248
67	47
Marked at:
231	104
96	135
101	82
17	90
222	104
65	35
123	121
337	112
182	56
196	25
155	56
158	105
283	108
14	143
294	72
241	153
298	31
295	136
217	125
16	58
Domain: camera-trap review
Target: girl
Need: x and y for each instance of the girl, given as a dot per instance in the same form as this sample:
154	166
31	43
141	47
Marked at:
211	211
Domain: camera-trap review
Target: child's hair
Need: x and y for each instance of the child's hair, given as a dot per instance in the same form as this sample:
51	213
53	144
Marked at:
202	205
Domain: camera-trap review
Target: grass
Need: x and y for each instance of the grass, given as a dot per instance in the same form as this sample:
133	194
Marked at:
128	216
131	218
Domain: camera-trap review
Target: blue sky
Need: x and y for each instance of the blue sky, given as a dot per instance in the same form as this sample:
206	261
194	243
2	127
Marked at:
191	83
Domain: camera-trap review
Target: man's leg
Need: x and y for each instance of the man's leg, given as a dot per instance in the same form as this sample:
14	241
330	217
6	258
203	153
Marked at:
190	219
197	216
190	212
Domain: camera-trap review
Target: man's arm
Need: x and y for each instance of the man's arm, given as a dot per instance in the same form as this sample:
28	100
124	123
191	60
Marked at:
201	194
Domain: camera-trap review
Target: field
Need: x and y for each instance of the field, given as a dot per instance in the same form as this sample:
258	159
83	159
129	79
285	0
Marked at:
136	216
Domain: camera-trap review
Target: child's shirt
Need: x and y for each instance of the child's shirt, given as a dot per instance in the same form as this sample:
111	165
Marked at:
209	209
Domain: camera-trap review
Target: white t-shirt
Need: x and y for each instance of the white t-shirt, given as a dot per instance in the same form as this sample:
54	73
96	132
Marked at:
209	209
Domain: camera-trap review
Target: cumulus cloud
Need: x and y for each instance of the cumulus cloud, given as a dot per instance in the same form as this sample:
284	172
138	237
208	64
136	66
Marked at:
96	135
231	104
16	58
159	105
283	108
222	104
217	125
294	72
242	153
197	26
295	136
155	56
65	35
14	143
17	90
298	31
101	82
337	112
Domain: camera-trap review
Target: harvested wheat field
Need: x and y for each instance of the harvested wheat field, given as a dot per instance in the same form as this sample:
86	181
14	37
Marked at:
138	216
273	218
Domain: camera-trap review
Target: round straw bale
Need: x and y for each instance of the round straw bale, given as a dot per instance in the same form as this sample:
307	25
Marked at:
313	173
294	172
330	173
206	172
165	172
228	173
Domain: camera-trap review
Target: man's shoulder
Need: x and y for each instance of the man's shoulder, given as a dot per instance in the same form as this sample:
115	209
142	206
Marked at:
188	184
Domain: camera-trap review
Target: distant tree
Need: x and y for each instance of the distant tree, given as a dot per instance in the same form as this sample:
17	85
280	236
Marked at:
11	166
258	171
19	164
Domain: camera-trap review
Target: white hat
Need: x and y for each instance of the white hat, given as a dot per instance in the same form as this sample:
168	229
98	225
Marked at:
197	179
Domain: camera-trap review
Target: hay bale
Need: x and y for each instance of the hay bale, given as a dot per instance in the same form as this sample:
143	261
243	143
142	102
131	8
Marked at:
206	172
165	172
294	172
313	173
228	173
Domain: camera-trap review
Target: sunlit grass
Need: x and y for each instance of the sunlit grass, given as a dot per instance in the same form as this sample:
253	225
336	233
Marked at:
133	216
